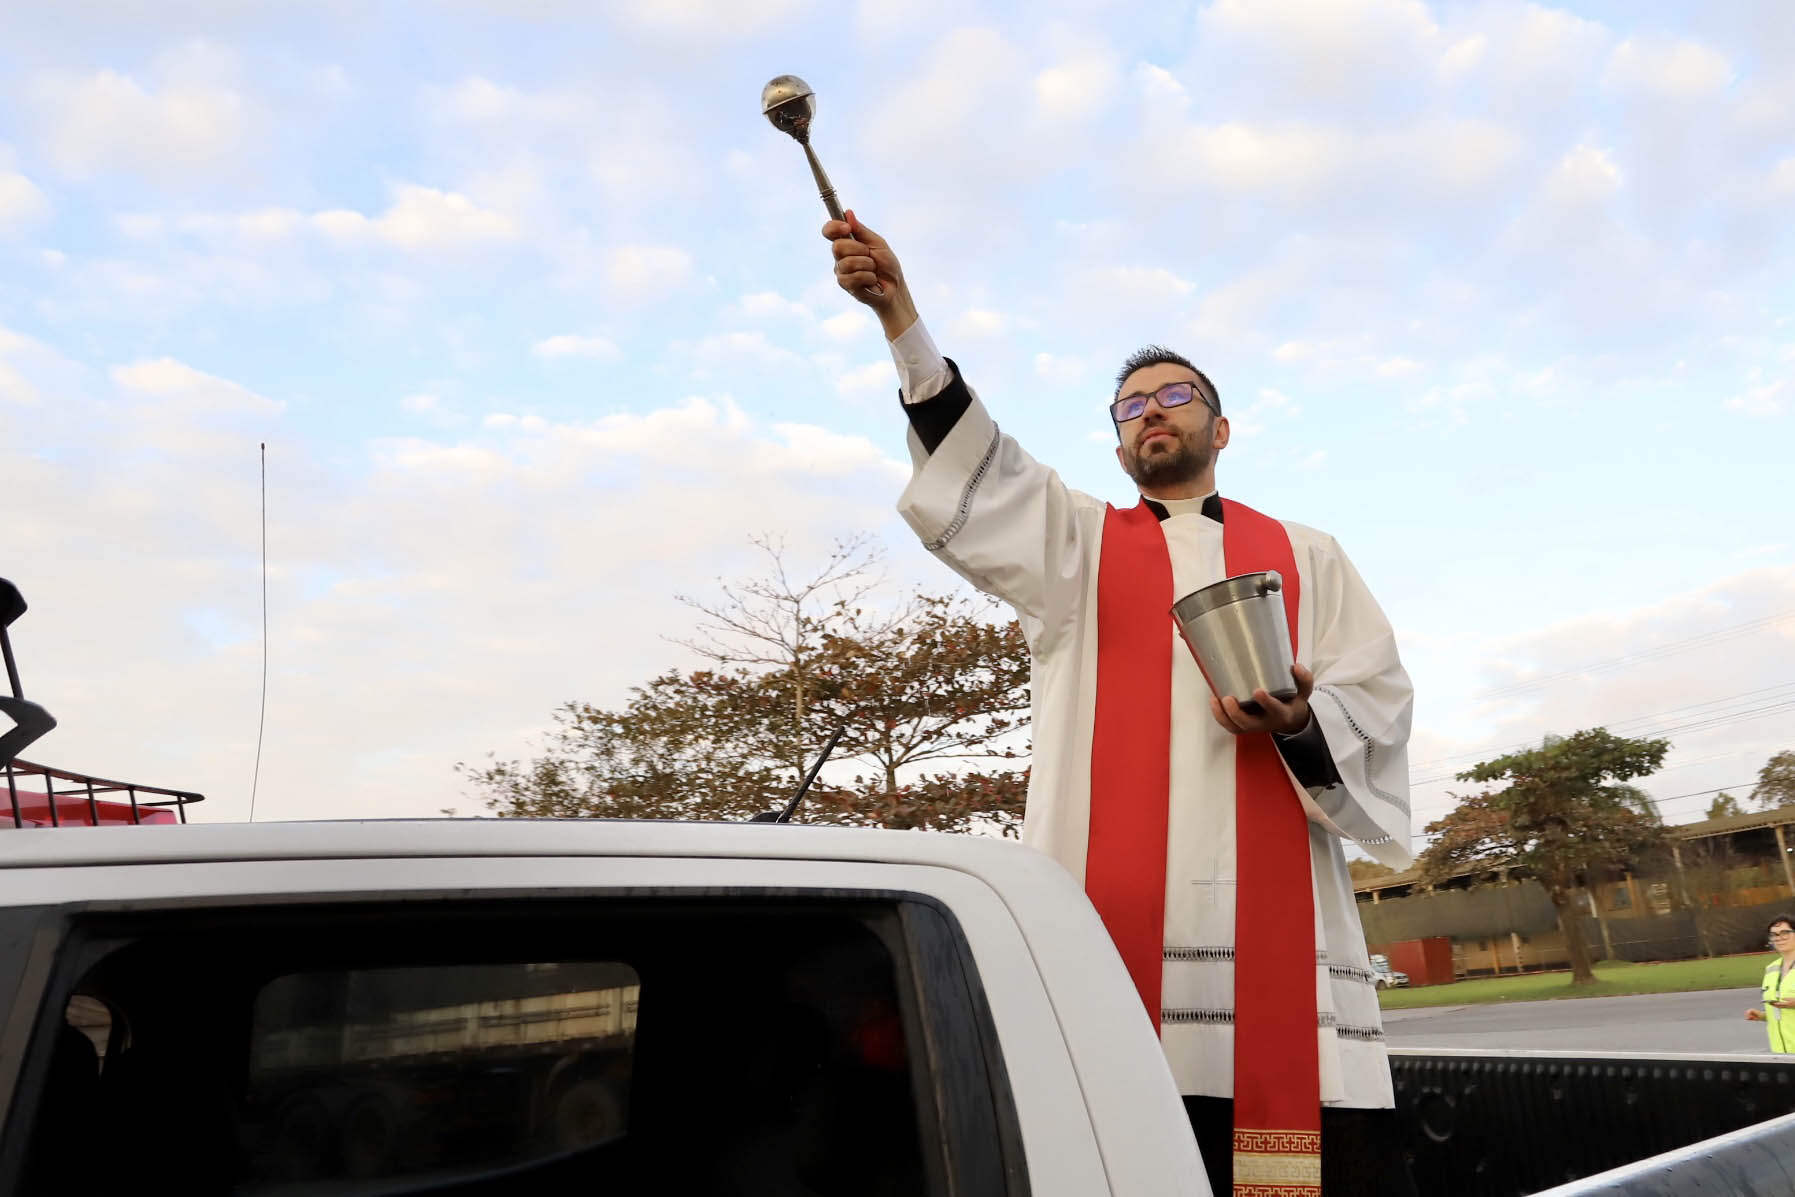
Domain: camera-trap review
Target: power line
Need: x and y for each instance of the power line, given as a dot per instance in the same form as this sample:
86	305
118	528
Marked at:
1657	802
1702	723
1651	654
1472	754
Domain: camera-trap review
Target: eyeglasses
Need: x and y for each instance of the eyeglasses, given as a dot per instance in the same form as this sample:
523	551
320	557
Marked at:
1172	394
1783	934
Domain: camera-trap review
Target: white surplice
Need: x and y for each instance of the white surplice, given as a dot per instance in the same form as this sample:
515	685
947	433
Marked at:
1008	525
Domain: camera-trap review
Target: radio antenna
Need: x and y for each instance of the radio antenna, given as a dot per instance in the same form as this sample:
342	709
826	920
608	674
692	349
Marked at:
791	808
262	718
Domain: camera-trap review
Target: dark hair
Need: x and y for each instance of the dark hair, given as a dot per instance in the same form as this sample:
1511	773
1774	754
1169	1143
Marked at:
1159	355
1780	920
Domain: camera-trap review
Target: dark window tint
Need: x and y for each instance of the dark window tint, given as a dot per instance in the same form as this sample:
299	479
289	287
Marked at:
737	1045
378	1073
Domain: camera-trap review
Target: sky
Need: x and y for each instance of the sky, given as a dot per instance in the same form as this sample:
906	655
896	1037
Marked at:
529	305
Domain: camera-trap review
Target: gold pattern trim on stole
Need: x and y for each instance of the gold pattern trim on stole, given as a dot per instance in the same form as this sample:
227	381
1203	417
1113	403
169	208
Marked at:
1277	1163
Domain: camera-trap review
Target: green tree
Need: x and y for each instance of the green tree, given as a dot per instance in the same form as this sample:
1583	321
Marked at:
773	625
673	751
1564	814
932	694
1368	870
1776	782
945	682
939	802
1724	804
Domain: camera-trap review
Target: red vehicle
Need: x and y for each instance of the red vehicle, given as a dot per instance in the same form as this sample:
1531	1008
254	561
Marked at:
40	796
77	803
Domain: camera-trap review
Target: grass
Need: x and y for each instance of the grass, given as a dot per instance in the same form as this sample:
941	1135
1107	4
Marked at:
1613	979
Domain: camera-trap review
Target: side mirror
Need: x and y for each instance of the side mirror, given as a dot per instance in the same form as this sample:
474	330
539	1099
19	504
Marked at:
12	603
31	723
30	720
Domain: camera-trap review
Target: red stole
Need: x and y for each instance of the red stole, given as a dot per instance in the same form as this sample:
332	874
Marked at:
1277	1080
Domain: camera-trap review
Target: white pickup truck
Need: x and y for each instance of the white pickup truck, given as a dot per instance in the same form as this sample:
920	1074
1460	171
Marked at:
519	1007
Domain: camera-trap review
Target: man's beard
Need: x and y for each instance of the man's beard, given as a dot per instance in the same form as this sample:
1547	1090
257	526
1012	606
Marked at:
1184	461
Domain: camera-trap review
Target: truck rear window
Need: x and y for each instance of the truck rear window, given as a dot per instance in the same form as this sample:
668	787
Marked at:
730	1044
387	1072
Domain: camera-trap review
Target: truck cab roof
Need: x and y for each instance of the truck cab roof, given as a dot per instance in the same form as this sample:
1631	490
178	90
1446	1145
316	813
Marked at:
984	856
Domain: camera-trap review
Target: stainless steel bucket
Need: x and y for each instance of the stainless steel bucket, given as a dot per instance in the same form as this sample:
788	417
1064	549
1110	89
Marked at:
1237	631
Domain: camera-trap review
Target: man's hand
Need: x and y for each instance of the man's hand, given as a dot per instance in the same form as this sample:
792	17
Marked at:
863	258
1284	718
1754	1015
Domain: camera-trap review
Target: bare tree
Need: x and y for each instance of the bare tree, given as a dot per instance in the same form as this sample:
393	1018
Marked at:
778	622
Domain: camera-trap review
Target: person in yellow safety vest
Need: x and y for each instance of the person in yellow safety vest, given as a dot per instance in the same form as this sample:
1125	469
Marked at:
1777	982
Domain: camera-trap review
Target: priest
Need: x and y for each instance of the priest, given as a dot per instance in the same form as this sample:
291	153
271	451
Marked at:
1209	834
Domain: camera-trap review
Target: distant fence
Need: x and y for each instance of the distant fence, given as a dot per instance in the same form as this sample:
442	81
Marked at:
1522	907
1683	934
1479	913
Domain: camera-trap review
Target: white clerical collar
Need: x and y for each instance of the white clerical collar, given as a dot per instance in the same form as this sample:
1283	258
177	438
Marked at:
1209	505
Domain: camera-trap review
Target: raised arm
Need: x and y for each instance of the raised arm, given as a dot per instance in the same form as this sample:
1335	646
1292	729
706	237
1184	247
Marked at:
978	501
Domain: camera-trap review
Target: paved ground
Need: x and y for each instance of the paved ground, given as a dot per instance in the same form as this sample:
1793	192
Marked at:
1706	1022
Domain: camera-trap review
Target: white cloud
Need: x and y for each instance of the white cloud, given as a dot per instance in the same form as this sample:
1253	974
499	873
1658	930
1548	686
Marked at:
421	219
1307	165
705	20
770	305
1463	57
976	79
16	386
1163	97
1059	369
850	325
540	151
421	404
1332	51
1249	421
176	385
829	454
1399	367
965	75
22	203
140	226
264	224
646	272
881	20
737	349
1585	177
1782	179
979	324
261	225
1572	206
379	662
478	100
577	345
1134	286
194	123
1681	70
1706	699
1081	79
1768	399
1526	58
874	378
